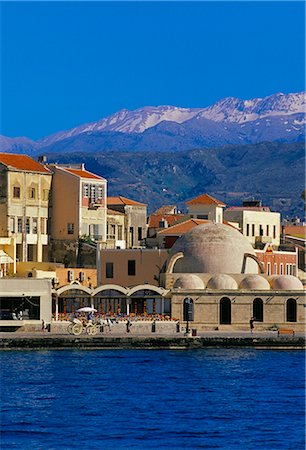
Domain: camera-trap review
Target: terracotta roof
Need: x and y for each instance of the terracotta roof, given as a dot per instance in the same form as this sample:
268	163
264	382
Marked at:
249	208
295	230
165	209
183	227
205	199
83	173
22	162
123	201
171	219
113	212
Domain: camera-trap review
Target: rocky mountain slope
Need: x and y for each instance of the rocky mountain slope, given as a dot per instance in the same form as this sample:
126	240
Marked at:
273	172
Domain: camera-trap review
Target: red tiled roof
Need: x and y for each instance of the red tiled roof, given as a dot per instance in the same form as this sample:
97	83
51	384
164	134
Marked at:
249	208
171	219
123	201
295	231
166	209
82	173
22	162
183	227
205	199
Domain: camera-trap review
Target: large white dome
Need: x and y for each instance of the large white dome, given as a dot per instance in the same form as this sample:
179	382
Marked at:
213	248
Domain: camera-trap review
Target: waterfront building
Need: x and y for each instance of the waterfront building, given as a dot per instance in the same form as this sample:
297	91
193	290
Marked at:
130	267
24	303
24	206
216	269
78	213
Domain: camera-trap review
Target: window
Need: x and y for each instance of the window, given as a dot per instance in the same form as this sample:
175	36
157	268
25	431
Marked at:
12	224
131	267
85	190
291	310
258	309
111	231
120	232
46	194
109	270
131	236
16	192
275	269
253	229
27	225
32	193
100	191
260	230
248	229
43	227
287	269
282	269
269	268
202	216
92	193
139	233
35	225
274	231
70	228
19	225
267	234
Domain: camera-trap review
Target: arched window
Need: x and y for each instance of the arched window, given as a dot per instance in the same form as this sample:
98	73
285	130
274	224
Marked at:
291	310
225	311
110	301
258	309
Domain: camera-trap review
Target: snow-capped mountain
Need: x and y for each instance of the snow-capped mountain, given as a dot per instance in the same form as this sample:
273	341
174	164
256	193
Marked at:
126	121
234	110
278	117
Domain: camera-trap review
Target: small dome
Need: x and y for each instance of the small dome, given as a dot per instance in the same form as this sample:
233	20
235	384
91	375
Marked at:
255	282
213	248
287	283
222	281
189	281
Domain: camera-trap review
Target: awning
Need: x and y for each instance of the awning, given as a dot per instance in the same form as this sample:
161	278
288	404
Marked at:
5	258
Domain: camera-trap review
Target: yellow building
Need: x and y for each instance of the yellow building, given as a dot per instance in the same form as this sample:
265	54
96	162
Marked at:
78	211
24	205
206	207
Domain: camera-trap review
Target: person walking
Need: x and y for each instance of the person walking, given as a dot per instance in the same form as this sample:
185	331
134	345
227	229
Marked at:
252	320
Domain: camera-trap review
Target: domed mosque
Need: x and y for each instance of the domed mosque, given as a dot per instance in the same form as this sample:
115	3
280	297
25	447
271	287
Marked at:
214	269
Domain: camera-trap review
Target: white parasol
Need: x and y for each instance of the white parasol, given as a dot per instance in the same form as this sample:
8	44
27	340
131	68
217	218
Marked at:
87	309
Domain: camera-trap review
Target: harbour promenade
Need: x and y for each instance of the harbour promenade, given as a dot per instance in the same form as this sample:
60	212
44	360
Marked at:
133	340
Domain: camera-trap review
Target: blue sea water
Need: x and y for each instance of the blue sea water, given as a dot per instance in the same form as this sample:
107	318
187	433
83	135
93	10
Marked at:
113	399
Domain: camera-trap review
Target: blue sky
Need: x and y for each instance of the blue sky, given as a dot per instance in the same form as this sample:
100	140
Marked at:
64	64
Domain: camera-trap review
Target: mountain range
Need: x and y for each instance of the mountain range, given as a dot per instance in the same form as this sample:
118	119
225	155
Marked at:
270	171
230	121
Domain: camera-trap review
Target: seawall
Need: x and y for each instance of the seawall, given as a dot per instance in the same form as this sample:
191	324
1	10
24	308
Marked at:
145	342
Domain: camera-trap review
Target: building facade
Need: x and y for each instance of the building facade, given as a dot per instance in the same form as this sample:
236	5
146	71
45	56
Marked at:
257	224
24	205
135	219
79	212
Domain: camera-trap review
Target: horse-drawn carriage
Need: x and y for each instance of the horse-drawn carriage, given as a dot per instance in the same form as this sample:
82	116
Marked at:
79	325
